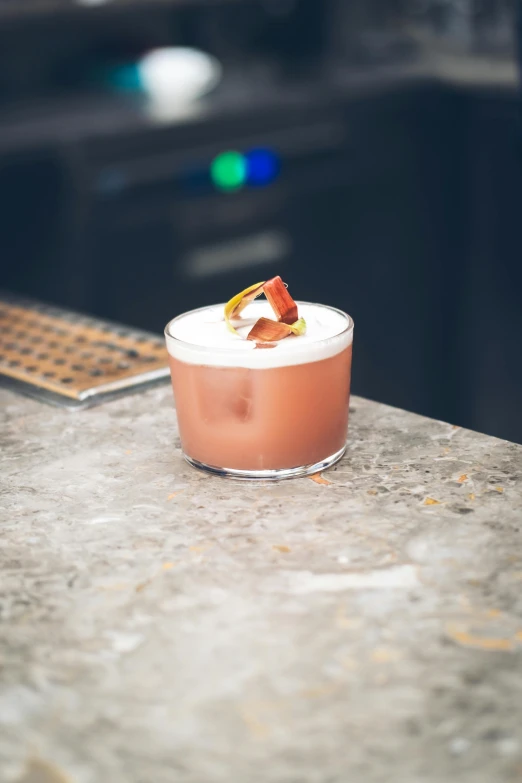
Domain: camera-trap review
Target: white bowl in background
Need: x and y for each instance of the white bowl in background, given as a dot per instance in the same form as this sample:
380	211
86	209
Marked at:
178	75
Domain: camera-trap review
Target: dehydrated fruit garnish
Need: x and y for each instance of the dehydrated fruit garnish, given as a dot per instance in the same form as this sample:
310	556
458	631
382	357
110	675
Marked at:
265	330
280	300
238	302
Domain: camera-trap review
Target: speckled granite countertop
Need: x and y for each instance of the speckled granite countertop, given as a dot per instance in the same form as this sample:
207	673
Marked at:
158	625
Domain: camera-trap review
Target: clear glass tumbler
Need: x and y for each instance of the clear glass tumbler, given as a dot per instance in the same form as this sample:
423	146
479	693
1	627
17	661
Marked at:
248	413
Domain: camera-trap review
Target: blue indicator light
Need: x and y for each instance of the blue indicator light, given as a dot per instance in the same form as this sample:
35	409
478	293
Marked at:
262	166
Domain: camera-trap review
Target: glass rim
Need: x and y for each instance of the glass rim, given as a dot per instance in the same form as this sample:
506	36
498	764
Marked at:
226	349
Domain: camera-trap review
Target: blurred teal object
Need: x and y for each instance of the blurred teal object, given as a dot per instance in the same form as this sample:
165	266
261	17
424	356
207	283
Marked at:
123	78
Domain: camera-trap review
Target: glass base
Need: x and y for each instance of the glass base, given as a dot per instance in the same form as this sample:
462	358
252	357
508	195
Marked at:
268	475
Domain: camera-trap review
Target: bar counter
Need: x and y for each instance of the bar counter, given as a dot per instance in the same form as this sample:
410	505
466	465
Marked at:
159	625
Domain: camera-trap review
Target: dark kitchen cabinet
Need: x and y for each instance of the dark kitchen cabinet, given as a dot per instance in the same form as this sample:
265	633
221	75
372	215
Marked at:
490	333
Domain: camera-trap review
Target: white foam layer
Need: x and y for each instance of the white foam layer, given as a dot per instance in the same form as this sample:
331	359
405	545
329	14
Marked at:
202	337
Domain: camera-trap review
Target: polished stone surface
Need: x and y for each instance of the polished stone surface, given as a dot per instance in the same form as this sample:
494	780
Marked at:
160	625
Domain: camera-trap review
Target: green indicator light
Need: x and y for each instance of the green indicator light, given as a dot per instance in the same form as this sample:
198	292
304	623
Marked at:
228	171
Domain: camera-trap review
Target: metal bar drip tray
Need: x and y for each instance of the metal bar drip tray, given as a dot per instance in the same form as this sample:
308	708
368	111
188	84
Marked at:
72	360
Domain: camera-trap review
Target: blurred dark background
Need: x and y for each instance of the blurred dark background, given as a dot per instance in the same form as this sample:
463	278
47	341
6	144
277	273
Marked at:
387	177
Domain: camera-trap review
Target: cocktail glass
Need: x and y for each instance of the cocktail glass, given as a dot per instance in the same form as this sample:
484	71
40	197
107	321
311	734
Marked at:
260	414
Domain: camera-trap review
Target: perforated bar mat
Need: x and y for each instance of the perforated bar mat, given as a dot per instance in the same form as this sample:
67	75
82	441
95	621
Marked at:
71	360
